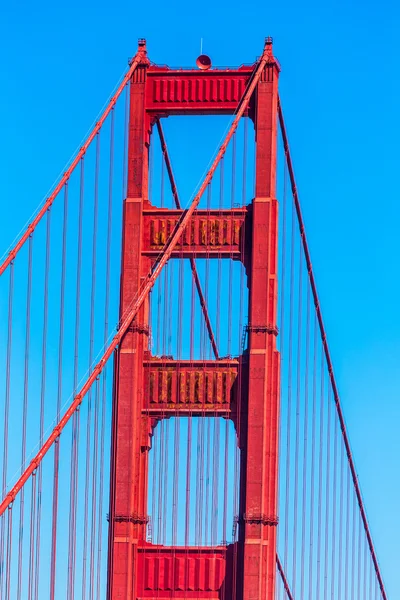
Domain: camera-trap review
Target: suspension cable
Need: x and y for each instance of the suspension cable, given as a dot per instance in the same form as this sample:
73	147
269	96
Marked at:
327	352
138	58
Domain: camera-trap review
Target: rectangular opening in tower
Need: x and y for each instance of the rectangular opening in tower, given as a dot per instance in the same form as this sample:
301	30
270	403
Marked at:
193	482
178	315
191	143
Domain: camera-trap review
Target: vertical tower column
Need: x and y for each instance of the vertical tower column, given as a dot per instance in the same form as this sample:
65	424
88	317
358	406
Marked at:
131	437
260	459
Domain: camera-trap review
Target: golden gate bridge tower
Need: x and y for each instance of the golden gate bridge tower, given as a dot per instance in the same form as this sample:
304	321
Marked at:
197	449
148	389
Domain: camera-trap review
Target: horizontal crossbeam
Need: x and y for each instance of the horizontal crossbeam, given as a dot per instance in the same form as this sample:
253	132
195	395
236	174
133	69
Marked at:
174	92
209	233
187	571
189	387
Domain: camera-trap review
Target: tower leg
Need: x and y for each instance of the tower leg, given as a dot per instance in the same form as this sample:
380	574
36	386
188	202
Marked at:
131	436
260	460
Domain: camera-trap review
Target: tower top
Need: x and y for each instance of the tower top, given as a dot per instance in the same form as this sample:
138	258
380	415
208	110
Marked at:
268	50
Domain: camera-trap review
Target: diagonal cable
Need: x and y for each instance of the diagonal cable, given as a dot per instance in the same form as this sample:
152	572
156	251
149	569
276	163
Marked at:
328	358
139	58
196	278
284	579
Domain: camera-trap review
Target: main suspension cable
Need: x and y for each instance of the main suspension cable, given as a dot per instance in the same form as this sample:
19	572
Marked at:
327	352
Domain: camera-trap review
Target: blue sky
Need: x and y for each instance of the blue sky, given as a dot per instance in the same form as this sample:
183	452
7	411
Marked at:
340	93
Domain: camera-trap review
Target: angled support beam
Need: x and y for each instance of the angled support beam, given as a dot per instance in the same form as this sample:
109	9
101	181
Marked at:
196	278
133	309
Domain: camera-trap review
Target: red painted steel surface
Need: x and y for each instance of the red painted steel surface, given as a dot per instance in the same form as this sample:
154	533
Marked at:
260	452
136	568
182	573
180	91
212	233
190	387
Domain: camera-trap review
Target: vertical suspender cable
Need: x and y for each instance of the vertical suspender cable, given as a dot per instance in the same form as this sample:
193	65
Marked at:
207	267
365	574
305	449
42	401
161	479
283	265
94	489
106	322
24	415
215	486
151	171
166	482
341	522
207	519
175	482
217	432
320	472
6	417
162	181
207	483
153	490
126	138
353	549
91	352
219	276
359	554
8	554
158	326
297	429
347	530
166	323
76	417
175	498
31	565
334	509
190	425
59	397
289	395
327	493
282	346
229	341
97	405
312	466
372	584
245	139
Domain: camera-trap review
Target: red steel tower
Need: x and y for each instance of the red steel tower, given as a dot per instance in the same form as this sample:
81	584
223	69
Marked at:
246	568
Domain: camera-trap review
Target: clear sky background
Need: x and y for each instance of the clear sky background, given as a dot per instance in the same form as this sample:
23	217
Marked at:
340	91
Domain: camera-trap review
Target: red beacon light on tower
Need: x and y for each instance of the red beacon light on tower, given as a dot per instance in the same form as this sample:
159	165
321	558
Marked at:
203	62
